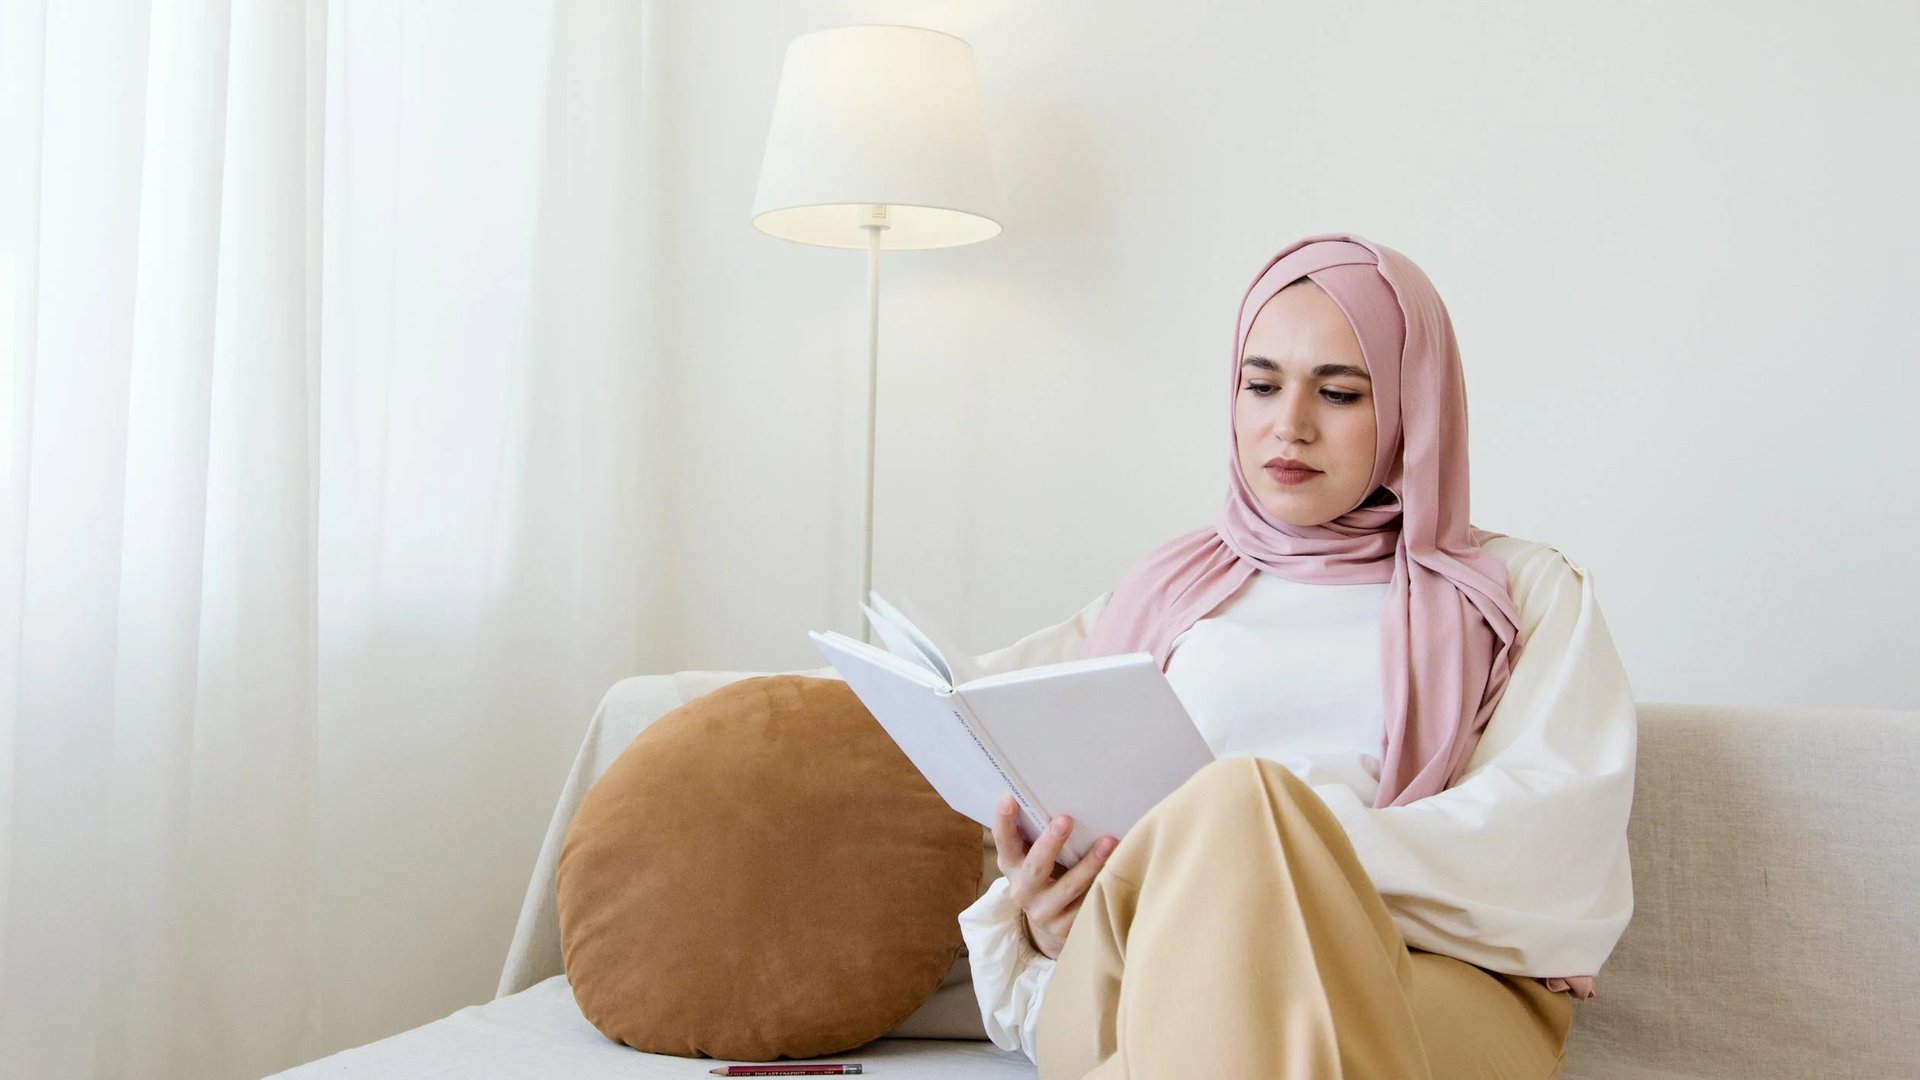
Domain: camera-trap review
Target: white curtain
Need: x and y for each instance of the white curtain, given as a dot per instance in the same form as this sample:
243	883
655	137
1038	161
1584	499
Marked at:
333	448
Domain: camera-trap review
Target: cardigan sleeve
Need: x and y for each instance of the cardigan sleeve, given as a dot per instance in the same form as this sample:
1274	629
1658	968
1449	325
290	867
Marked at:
1009	974
1521	866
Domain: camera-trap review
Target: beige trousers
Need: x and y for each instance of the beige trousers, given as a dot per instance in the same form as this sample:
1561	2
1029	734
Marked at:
1234	933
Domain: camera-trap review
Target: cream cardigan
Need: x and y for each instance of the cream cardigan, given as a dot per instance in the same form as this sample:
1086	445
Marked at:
1521	867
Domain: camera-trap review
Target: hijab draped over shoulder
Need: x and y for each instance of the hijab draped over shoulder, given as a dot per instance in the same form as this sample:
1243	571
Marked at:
1450	634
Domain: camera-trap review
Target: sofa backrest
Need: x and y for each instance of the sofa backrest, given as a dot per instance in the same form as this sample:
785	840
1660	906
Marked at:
1776	865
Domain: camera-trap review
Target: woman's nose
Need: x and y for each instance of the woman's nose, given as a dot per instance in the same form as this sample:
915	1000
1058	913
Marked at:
1293	417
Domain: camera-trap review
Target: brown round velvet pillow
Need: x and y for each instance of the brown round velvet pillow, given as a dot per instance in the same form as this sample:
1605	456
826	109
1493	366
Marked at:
762	873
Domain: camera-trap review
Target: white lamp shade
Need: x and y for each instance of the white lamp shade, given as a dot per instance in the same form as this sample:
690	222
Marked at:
886	115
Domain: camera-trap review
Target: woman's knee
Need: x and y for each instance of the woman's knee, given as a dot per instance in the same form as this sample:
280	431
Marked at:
1223	772
1242	776
1213	792
1231	792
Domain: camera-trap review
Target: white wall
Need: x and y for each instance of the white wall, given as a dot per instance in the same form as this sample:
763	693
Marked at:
1675	238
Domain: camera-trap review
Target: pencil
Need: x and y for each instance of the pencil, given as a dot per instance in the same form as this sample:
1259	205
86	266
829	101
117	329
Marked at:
794	1069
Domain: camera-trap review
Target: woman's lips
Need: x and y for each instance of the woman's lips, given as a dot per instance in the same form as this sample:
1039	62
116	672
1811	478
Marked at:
1292	476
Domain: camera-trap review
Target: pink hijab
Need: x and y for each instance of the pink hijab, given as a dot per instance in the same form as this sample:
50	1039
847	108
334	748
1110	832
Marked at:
1450	636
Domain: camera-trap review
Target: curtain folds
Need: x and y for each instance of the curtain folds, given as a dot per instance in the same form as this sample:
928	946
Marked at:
332	459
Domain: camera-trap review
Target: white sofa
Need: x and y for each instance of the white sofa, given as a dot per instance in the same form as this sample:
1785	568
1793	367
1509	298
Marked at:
1776	861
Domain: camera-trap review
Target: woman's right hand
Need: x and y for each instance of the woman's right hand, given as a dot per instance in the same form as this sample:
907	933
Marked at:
1050	902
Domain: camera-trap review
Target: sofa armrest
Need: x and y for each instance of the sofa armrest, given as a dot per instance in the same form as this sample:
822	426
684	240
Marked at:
630	705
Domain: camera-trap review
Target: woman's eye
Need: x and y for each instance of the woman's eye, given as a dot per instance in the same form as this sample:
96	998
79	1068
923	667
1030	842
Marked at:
1338	397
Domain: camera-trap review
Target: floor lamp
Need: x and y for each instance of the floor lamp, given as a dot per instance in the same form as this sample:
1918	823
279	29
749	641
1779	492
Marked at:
877	142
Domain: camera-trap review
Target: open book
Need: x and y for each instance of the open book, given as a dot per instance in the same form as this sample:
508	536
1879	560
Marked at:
1101	739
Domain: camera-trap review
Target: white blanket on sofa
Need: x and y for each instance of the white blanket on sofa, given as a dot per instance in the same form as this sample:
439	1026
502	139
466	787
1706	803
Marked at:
539	1034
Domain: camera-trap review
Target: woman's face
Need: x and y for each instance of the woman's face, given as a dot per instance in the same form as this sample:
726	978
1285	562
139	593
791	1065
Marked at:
1304	394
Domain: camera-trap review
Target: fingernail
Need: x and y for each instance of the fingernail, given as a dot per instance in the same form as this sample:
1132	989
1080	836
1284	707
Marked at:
1005	805
1058	827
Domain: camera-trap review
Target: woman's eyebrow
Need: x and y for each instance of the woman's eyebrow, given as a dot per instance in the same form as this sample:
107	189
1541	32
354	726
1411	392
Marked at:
1322	371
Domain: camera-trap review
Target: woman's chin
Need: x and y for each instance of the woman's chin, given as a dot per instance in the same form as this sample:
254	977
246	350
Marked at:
1299	509
1298	515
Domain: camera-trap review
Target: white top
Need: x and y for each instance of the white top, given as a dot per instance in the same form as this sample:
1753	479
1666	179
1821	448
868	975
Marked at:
1291	672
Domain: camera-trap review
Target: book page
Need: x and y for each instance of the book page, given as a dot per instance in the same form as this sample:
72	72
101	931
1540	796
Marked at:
904	643
953	662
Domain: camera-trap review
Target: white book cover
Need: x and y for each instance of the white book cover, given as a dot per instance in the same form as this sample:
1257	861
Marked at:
1100	739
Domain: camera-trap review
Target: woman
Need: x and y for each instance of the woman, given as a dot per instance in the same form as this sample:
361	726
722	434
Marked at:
1411	852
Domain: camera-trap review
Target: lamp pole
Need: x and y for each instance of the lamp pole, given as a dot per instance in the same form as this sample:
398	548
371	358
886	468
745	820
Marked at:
875	224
